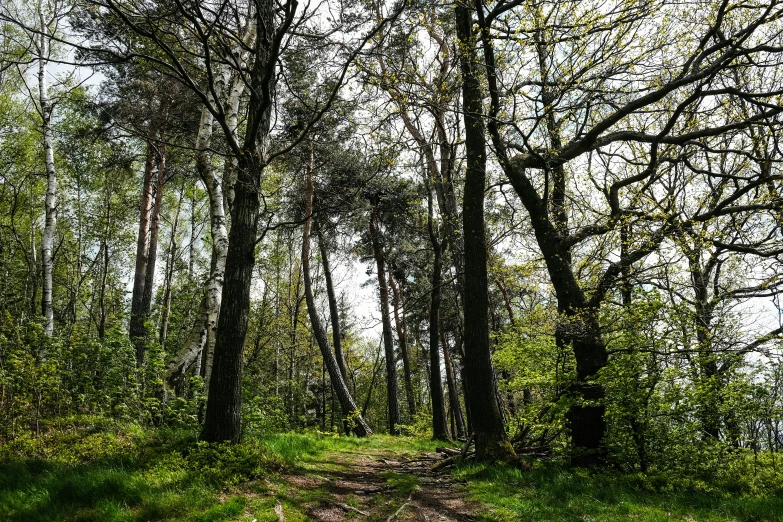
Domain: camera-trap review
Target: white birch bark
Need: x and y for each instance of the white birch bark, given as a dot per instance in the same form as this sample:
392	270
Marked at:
50	205
200	344
232	118
203	330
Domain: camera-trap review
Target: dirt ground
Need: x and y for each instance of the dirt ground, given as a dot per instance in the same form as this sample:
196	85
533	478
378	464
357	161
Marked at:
381	487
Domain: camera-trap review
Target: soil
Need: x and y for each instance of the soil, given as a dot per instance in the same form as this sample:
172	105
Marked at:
383	487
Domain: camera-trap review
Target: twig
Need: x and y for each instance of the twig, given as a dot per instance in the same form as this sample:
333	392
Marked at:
449	461
393	516
467	445
346	507
448	451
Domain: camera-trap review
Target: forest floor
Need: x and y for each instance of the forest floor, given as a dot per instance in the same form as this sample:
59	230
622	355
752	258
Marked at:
391	484
99	470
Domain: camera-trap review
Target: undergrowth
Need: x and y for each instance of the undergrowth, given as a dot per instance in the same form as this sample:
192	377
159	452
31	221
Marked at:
97	469
553	492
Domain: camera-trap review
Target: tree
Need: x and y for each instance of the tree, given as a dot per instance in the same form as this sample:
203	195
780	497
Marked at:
484	414
376	239
208	39
349	409
642	129
439	428
44	19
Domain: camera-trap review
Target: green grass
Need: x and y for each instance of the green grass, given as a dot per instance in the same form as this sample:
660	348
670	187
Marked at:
549	492
111	472
403	484
298	448
93	469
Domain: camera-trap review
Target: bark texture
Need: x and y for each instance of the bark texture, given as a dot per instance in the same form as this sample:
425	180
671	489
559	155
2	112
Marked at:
136	329
388	342
347	405
50	205
402	336
222	421
334	311
486	419
439	426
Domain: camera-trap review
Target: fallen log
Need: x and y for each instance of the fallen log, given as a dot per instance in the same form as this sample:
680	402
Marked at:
467	445
450	461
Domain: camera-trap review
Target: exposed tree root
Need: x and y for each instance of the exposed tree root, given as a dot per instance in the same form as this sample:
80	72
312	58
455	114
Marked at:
346	507
396	513
279	512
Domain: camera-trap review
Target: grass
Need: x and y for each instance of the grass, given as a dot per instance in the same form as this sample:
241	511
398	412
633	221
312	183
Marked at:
124	473
93	469
298	448
549	492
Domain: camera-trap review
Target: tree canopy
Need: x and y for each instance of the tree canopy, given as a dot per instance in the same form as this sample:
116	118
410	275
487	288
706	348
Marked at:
544	227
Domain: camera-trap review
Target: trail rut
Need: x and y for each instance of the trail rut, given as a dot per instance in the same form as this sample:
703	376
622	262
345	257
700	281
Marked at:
380	486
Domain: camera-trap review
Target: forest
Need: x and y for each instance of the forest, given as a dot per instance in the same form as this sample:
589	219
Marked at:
536	245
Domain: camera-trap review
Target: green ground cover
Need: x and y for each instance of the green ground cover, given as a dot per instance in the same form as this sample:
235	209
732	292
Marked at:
551	492
93	469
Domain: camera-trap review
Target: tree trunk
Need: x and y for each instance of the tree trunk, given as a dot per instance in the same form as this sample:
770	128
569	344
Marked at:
487	421
347	404
579	323
136	329
388	342
451	381
439	427
32	262
334	311
191	349
50	225
220	241
193	237
709	408
154	232
199	345
172	258
222	421
402	336
104	269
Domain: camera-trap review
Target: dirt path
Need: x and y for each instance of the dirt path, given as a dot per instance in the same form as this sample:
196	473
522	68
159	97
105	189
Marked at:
379	486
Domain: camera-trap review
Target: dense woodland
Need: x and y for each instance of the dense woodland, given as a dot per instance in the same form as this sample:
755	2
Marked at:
565	218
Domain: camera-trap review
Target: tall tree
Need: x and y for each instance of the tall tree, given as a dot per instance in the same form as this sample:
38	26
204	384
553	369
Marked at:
480	394
353	418
577	115
49	17
439	428
379	256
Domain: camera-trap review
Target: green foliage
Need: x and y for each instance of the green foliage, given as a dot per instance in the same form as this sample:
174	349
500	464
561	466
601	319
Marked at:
550	492
30	376
95	469
46	378
539	373
420	425
227	464
263	414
